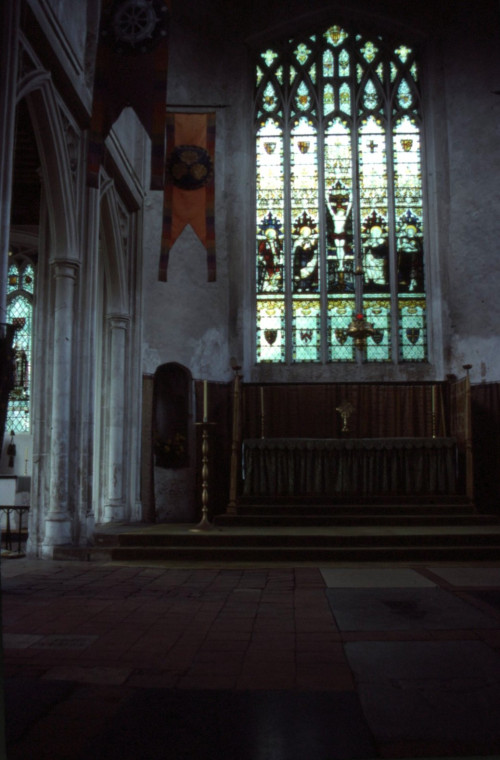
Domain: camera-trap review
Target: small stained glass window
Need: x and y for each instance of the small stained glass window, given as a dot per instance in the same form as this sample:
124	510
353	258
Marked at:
328	63
20	289
344	64
339	200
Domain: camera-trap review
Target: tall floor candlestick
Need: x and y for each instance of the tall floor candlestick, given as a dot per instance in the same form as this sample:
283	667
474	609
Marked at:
204	523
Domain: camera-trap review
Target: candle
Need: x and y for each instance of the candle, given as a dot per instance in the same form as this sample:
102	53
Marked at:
205	401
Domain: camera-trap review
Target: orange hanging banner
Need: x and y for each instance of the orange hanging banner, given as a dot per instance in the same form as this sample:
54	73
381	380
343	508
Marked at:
189	188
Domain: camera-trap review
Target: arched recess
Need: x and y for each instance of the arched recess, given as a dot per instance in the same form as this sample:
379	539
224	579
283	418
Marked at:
113	485
169	445
171	414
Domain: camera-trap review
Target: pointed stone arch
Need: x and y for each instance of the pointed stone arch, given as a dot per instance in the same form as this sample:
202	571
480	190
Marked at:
112	253
45	114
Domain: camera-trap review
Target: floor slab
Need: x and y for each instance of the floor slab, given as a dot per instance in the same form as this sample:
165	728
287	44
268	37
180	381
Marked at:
19	640
28	701
374	578
430	691
404	609
157	724
469	576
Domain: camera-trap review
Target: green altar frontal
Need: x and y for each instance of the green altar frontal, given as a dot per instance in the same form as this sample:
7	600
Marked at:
332	467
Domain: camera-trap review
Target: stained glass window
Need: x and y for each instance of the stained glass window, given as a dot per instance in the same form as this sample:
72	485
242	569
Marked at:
339	203
20	289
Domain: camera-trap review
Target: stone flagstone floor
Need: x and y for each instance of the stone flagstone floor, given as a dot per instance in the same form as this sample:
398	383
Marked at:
286	663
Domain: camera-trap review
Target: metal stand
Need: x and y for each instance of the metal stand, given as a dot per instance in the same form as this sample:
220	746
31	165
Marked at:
8	531
204	523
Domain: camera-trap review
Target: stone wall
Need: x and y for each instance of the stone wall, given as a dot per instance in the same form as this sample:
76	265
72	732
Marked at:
202	324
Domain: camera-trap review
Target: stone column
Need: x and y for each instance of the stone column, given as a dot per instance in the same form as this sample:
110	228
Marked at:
115	505
9	19
59	519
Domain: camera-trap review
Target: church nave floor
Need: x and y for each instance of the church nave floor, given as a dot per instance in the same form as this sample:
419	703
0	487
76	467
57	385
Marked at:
135	662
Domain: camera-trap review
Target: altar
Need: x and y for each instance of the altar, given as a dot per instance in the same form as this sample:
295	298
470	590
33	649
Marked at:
324	467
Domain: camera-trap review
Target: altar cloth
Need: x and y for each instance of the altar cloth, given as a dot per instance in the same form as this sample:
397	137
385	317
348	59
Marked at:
355	466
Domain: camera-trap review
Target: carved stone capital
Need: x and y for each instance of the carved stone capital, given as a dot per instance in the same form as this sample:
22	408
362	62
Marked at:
118	321
65	268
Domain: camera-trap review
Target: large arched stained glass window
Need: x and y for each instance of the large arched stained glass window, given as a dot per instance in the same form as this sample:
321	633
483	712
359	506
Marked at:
20	289
339	200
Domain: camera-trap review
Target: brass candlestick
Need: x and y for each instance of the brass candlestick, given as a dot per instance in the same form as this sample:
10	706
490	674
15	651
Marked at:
204	523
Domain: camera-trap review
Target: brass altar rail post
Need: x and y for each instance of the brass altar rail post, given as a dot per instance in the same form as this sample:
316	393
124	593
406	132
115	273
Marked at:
235	442
262	412
469	461
433	410
443	416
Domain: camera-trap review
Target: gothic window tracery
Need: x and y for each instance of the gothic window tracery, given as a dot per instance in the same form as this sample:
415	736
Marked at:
339	201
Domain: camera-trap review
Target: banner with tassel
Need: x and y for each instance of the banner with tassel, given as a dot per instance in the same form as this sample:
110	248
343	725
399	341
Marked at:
190	185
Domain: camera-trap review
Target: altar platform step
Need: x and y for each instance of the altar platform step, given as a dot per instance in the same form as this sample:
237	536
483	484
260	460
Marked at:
456	511
347	519
178	543
456	502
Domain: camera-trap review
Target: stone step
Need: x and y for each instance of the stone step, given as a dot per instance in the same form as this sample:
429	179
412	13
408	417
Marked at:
276	519
363	500
354	510
317	555
311	538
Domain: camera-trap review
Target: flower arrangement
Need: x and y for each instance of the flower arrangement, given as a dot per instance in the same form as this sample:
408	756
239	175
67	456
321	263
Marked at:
171	452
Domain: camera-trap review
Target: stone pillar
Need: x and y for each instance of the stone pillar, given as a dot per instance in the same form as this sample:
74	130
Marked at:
115	504
59	519
9	18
